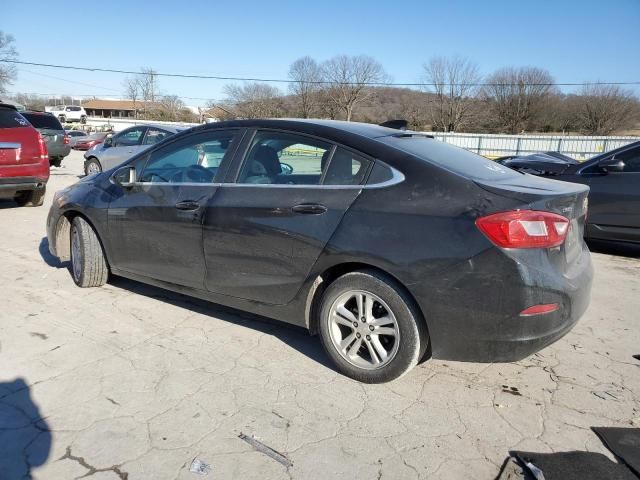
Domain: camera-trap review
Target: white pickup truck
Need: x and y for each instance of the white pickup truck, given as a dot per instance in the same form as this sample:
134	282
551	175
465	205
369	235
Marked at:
69	113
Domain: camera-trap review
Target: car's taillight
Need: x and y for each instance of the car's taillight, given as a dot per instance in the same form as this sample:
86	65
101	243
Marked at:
66	140
524	229
44	154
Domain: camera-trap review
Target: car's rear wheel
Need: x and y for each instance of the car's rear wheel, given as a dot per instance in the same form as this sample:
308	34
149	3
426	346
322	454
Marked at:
83	120
55	162
370	327
30	198
62	118
88	264
92	166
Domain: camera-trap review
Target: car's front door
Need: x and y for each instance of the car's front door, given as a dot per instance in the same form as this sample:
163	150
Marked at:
124	145
614	199
155	226
264	232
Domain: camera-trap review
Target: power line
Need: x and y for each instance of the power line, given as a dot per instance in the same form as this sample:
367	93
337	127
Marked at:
317	82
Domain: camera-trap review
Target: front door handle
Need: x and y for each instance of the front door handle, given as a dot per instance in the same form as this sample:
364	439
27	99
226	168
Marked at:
187	205
309	208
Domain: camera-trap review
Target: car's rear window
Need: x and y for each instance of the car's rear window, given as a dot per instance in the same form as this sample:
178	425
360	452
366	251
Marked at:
43	120
11	119
454	159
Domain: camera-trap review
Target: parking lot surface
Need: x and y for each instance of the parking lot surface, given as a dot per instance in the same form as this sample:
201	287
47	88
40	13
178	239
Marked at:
130	382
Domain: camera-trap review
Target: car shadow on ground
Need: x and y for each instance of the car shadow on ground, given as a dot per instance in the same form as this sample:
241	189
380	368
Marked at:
296	337
618	249
49	259
24	434
7	203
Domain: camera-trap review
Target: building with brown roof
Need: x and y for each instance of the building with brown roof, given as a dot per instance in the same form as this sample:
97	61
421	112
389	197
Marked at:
115	108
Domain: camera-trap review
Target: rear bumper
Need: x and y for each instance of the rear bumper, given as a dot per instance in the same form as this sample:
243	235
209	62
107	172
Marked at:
17	184
480	320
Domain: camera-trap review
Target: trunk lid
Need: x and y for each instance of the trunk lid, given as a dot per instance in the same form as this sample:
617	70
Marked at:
564	198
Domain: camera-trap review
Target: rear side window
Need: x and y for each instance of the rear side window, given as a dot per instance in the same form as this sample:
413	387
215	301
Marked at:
346	168
73	109
43	120
454	159
11	119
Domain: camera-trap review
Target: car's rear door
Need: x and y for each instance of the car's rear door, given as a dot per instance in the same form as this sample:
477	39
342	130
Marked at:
155	227
264	230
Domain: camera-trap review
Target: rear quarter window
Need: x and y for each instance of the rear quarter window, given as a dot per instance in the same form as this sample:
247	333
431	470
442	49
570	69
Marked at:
43	120
454	159
12	119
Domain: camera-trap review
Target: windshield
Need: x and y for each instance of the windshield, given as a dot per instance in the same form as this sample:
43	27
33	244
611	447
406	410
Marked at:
43	120
454	159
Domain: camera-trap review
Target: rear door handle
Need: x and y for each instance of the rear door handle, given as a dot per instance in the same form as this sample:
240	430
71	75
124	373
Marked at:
309	208
187	205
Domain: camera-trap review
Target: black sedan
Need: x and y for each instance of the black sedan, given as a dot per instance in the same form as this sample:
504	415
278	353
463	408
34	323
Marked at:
614	180
391	245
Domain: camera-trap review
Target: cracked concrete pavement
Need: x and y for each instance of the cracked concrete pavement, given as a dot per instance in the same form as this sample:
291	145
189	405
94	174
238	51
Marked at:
133	382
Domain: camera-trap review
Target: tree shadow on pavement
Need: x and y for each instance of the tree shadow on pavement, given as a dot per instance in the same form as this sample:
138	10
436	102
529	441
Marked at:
49	259
25	439
294	336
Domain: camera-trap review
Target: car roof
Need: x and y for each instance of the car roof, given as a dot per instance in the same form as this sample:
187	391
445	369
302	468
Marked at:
367	130
168	128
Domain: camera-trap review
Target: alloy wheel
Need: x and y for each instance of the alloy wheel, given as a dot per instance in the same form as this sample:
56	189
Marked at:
363	329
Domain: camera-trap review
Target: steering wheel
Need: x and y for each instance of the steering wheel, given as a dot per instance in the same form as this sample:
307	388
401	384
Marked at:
198	174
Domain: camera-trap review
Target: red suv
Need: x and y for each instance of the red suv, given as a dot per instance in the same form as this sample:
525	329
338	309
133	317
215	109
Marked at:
24	160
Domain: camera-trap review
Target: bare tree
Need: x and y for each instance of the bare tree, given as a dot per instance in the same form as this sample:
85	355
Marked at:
132	90
148	82
605	108
254	100
453	85
307	74
516	94
172	107
349	77
8	71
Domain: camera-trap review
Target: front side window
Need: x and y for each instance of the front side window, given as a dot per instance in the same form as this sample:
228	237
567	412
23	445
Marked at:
194	159
154	136
128	138
284	158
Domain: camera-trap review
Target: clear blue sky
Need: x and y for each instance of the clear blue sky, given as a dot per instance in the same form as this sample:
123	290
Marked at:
576	40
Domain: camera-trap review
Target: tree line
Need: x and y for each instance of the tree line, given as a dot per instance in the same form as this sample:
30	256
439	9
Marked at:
453	97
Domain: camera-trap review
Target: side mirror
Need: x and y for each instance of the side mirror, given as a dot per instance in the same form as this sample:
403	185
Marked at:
108	142
612	164
124	176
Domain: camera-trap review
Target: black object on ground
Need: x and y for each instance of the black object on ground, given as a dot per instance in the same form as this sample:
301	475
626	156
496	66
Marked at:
624	443
567	466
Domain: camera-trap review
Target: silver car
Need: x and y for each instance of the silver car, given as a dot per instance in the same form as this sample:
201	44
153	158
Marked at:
123	145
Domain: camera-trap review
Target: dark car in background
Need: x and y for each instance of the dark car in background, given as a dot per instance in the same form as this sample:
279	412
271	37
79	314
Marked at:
24	163
54	135
391	245
614	180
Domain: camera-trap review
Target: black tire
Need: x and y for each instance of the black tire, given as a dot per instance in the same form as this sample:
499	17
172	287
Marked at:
92	161
55	162
30	198
83	120
62	118
413	336
88	264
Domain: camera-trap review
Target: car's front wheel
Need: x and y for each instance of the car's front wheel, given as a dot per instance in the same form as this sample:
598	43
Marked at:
370	327
88	264
92	166
30	198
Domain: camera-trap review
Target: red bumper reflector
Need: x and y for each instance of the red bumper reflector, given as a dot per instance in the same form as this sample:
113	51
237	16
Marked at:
539	309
